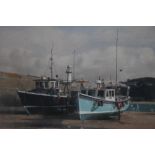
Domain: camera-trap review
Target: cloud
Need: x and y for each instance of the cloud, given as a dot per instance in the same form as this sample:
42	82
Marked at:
21	61
26	50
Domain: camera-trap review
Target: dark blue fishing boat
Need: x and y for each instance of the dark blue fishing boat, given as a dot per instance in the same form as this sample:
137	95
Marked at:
48	94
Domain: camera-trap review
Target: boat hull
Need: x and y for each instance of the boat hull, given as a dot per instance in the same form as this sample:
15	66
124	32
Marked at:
94	108
41	102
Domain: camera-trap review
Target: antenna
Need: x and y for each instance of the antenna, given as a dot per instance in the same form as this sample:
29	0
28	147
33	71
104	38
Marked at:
51	62
116	55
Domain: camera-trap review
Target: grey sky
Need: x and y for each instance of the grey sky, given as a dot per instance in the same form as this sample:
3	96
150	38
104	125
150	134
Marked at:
26	50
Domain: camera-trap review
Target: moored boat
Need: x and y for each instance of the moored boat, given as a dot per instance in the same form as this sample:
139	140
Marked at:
95	104
48	94
94	107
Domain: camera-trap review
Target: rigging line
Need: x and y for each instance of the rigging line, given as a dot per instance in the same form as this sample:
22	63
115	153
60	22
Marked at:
47	68
51	63
116	55
53	66
54	69
74	54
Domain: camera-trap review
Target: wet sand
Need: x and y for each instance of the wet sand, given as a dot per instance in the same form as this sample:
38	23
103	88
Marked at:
16	118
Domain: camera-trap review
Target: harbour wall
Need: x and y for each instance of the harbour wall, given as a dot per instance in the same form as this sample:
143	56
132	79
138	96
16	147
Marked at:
10	83
142	107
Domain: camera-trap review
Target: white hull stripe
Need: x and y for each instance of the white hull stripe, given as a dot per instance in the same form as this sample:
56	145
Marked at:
101	112
40	94
46	106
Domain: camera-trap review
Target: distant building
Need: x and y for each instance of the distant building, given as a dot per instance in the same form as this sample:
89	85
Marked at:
142	88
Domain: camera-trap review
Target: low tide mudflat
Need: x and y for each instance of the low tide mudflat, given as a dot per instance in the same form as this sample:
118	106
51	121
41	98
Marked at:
17	118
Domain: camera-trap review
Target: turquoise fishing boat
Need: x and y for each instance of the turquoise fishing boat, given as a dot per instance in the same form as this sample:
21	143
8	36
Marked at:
93	107
105	101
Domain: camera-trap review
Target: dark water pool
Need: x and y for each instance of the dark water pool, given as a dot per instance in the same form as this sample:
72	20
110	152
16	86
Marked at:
142	107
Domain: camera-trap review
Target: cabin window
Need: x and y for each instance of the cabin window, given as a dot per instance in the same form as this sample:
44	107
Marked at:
52	84
112	93
41	85
46	84
101	93
107	93
57	84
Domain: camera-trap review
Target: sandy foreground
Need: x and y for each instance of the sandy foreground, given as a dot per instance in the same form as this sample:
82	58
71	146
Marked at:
16	118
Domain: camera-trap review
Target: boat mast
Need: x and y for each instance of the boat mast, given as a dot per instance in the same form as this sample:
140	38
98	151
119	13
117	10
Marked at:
51	63
116	55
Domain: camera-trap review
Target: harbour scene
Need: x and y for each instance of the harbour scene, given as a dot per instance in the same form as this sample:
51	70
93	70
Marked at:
87	78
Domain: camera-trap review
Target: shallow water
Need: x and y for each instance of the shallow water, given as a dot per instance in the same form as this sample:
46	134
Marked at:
142	107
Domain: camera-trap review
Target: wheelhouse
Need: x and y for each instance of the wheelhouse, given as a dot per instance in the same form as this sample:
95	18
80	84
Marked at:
110	94
46	83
